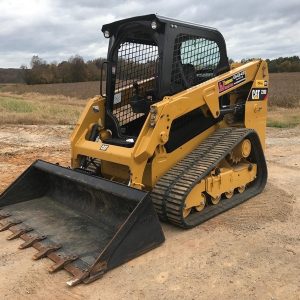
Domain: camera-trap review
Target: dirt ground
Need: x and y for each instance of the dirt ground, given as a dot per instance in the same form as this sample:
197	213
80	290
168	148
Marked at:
250	252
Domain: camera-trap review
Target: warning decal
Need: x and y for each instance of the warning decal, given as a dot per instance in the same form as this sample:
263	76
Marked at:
231	81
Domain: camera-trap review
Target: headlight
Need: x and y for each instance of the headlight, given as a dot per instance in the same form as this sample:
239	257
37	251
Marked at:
154	25
106	34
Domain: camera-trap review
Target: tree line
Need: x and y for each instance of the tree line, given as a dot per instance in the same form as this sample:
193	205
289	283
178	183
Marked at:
284	64
280	64
75	69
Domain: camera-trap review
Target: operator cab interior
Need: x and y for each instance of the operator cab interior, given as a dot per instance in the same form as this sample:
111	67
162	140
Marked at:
131	83
150	57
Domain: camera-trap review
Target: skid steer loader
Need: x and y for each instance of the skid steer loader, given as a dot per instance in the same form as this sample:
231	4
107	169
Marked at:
178	134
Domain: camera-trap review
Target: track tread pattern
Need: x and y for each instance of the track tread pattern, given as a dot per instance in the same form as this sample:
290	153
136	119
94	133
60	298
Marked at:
171	190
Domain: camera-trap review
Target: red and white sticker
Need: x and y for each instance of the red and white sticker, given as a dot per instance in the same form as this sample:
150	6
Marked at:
231	81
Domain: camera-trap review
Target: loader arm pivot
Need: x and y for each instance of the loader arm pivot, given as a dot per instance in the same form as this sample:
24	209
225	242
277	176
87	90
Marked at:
156	129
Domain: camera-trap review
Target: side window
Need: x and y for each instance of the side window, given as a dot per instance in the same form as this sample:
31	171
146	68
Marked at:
195	60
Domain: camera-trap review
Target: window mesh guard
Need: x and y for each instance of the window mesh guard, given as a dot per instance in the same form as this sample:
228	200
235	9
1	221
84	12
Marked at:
136	63
195	59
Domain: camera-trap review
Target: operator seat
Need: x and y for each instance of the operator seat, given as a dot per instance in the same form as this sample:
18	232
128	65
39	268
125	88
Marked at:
189	73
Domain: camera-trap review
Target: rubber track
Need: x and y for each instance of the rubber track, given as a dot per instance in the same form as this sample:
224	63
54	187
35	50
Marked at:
171	190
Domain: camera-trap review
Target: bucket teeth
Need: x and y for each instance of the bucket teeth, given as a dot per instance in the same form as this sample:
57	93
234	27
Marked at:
46	250
9	224
18	233
31	241
62	263
93	219
78	280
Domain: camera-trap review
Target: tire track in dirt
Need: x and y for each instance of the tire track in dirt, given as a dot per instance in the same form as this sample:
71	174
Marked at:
20	146
271	206
249	252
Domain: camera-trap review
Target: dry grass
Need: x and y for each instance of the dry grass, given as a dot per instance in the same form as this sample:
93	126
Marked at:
60	103
285	90
80	90
33	108
283	117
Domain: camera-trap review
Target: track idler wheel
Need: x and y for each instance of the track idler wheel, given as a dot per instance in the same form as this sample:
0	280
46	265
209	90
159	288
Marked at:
193	201
202	203
241	151
186	212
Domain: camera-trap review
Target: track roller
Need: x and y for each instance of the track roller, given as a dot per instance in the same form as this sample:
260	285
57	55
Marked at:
229	194
215	200
178	194
241	189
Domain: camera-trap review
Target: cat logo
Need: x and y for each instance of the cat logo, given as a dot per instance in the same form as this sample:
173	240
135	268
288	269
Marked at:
104	147
259	94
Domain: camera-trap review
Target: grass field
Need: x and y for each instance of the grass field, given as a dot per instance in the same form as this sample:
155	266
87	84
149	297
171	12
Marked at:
283	117
80	90
34	108
62	103
285	90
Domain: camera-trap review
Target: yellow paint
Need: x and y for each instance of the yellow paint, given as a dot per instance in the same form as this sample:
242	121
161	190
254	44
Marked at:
260	83
229	179
148	160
